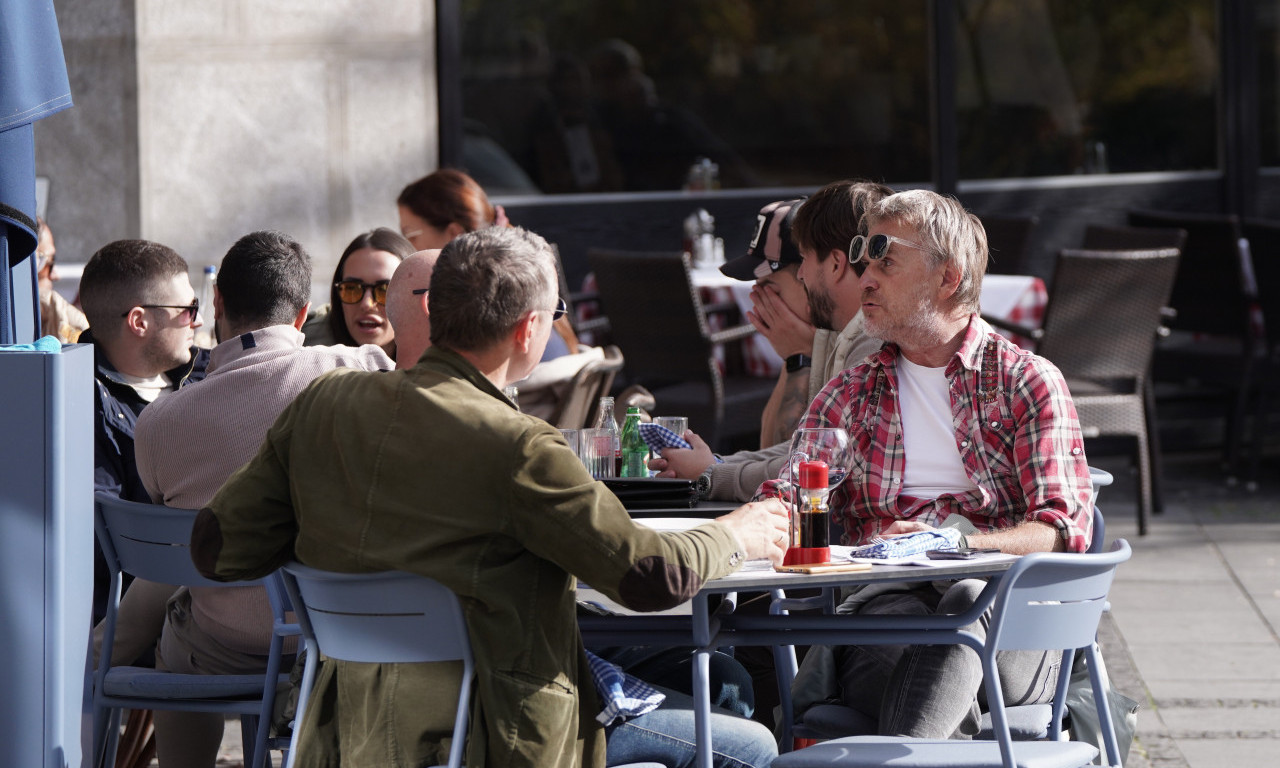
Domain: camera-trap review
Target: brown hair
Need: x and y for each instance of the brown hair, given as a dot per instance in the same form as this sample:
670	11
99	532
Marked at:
448	197
829	219
122	275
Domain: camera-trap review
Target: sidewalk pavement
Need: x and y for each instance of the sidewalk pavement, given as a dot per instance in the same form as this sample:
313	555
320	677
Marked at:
1194	630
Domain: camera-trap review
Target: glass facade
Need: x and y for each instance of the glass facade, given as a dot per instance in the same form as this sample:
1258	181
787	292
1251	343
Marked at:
584	96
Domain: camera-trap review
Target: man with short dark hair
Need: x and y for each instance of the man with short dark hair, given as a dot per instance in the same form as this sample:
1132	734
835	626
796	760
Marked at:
821	229
189	443
142	314
437	473
951	426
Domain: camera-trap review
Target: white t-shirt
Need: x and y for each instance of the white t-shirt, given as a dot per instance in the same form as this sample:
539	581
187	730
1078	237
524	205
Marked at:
933	464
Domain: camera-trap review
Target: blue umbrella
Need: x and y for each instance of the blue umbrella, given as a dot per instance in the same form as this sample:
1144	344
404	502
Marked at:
33	84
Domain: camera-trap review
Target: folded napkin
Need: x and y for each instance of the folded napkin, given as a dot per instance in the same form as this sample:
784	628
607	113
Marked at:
47	344
658	437
623	695
910	544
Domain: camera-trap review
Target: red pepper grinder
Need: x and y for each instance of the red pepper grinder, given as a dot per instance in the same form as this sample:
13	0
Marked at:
810	518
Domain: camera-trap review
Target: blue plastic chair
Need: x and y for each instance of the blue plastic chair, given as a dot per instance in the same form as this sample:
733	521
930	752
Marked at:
1047	601
388	617
152	542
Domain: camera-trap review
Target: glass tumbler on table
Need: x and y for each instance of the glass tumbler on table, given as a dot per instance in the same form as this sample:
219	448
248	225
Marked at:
596	451
677	424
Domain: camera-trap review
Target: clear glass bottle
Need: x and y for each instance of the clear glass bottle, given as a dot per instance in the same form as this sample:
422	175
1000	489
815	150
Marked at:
205	335
605	419
635	452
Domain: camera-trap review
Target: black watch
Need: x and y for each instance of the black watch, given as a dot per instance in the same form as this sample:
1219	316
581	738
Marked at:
798	361
702	485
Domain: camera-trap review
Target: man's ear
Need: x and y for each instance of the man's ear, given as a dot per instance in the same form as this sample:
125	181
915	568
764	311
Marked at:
950	281
523	334
299	320
136	322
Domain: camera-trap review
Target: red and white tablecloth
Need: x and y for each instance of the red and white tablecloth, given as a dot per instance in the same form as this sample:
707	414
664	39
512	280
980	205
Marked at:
1017	299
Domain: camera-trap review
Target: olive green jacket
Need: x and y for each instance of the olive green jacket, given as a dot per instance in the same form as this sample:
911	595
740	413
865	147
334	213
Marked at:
431	470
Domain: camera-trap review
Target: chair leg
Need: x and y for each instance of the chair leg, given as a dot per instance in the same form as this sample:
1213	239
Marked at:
1156	457
1144	480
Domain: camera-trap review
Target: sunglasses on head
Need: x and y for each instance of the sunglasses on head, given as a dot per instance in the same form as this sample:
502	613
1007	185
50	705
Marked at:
352	291
874	248
189	310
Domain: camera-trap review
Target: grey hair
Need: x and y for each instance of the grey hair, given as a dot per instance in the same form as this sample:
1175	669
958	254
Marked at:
949	233
484	281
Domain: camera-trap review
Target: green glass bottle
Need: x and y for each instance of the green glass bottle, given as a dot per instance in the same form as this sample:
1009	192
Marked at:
635	452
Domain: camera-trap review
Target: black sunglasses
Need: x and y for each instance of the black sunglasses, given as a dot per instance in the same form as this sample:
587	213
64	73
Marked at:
190	310
561	309
352	291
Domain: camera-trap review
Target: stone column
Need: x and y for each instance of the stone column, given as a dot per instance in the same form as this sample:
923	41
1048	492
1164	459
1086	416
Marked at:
204	121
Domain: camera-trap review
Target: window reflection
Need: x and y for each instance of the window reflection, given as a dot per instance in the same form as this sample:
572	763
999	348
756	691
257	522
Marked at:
1052	87
570	96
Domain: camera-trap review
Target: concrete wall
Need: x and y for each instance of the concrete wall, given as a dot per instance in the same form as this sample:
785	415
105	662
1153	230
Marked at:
198	122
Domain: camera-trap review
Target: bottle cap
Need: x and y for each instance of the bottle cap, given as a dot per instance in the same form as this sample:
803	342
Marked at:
813	474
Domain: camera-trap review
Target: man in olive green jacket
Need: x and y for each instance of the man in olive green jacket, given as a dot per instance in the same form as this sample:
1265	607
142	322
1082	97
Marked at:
431	470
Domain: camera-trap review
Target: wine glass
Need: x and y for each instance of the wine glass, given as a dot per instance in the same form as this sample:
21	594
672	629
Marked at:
825	444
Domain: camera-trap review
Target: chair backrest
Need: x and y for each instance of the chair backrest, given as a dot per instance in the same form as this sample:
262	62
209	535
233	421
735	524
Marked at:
591	381
1103	238
1104	312
1009	243
149	541
388	617
1264	252
1053	600
1210	293
655	315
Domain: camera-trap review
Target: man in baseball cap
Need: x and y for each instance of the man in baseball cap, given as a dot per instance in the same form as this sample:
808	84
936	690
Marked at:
780	311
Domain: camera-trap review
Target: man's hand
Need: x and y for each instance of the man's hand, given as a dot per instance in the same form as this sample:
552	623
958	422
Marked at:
761	528
788	333
684	463
903	527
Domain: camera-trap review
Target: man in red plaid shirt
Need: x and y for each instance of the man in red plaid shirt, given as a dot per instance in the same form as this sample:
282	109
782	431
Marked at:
949	424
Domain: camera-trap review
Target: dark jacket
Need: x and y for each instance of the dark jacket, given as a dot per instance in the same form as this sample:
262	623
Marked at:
115	411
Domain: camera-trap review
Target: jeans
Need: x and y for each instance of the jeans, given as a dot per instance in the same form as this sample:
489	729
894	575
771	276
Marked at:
666	735
936	691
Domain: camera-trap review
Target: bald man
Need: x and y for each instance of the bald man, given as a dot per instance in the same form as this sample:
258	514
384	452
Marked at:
407	306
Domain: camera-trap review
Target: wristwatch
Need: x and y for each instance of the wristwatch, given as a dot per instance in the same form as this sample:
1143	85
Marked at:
702	485
798	361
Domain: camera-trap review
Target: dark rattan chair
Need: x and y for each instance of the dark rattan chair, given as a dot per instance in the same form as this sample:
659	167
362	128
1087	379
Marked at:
1216	348
1100	329
658	321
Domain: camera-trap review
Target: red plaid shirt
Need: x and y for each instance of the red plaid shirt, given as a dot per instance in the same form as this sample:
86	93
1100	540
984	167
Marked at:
1015	427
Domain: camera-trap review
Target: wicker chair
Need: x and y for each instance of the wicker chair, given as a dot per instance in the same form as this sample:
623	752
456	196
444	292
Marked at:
659	322
576	409
1215	349
1100	328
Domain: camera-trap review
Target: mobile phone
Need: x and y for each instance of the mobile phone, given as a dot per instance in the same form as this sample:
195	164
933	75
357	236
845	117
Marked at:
959	554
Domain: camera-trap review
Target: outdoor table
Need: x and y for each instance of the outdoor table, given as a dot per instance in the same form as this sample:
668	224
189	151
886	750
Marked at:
696	624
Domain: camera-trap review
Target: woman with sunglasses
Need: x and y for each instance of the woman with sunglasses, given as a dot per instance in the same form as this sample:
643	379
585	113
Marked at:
360	289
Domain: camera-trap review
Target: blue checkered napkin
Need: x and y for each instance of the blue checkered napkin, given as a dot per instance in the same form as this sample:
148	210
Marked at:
658	437
910	544
623	695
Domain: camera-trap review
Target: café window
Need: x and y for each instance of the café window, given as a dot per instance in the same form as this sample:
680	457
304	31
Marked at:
628	95
1053	87
573	96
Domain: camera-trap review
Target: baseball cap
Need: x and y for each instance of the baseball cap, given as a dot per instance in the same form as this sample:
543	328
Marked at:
771	248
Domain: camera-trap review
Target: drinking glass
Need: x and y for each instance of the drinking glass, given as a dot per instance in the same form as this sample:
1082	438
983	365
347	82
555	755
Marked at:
826	444
571	437
596	451
677	424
